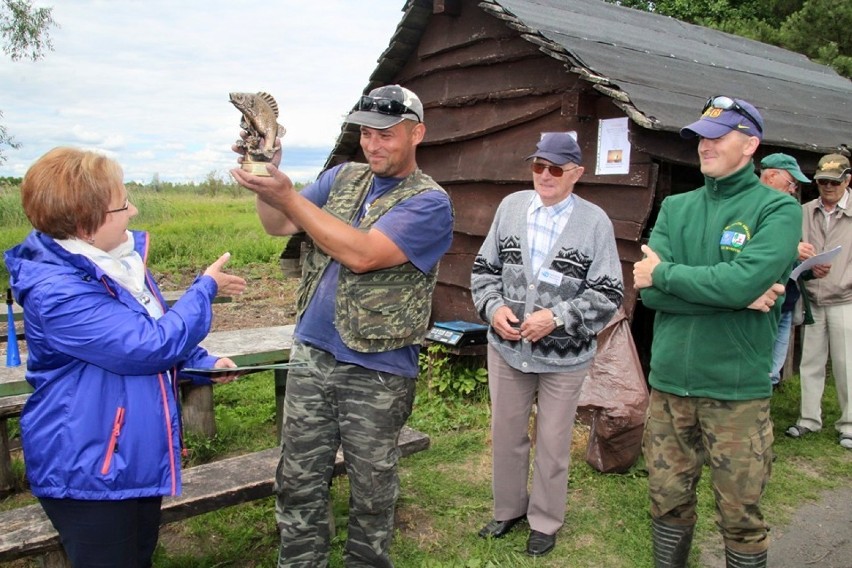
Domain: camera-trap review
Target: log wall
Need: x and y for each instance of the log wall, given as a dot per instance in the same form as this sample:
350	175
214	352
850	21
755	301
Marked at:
488	95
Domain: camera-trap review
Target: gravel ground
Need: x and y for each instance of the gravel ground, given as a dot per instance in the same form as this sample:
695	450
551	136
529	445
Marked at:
819	536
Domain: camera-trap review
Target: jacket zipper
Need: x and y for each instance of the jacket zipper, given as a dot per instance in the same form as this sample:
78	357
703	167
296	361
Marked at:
169	440
112	447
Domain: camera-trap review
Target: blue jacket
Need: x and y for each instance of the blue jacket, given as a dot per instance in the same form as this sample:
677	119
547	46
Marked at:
103	422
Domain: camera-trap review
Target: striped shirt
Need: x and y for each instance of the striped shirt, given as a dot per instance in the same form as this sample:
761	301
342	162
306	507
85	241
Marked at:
544	225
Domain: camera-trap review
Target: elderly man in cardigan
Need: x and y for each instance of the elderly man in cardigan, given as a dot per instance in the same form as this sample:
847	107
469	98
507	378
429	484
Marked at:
547	279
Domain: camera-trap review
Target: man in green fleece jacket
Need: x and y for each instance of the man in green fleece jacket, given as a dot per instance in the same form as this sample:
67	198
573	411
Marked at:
715	263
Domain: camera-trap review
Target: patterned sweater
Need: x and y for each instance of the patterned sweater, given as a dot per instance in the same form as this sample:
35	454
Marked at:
585	292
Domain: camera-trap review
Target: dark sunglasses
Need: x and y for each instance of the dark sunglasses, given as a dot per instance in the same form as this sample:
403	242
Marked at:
831	182
727	103
386	106
555	171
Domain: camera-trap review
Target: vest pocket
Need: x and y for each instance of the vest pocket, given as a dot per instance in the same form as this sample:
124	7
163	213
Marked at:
393	311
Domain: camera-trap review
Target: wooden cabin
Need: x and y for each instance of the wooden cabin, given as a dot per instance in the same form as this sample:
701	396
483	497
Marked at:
494	74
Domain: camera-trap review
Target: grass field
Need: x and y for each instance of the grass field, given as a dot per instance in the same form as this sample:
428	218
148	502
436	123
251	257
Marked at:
446	491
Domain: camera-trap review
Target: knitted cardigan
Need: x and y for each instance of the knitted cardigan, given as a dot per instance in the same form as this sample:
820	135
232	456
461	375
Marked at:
586	293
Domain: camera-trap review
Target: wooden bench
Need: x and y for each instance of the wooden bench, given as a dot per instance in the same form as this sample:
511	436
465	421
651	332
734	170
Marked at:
27	531
258	346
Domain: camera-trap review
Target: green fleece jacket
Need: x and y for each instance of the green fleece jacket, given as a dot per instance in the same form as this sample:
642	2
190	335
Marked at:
721	246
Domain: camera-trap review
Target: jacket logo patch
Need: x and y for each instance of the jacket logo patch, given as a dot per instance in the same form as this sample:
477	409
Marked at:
734	237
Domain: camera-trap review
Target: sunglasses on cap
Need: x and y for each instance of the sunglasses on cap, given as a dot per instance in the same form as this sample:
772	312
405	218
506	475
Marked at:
386	106
722	102
555	171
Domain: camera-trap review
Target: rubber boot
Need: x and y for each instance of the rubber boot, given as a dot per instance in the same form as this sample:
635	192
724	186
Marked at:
671	544
735	559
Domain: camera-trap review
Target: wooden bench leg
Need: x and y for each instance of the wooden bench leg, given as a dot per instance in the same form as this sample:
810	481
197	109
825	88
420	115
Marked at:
280	389
791	363
198	414
6	479
55	559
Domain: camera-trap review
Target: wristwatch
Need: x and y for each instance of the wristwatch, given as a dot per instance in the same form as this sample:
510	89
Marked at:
557	321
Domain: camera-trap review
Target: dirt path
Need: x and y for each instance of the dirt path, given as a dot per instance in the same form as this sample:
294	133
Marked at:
819	536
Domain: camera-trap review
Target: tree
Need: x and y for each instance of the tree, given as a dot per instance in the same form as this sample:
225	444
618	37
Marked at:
822	30
24	34
819	29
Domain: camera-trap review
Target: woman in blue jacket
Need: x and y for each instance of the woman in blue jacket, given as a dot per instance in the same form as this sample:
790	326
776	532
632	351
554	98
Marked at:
100	432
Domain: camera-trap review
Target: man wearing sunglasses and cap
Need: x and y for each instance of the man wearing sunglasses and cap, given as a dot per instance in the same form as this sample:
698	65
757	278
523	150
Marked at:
714	265
547	279
378	231
827	224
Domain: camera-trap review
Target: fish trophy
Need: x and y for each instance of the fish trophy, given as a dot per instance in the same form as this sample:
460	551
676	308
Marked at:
260	121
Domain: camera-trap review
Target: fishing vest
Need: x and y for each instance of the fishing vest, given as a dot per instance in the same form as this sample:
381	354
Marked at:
383	309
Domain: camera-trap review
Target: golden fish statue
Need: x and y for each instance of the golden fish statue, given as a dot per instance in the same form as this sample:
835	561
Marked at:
260	121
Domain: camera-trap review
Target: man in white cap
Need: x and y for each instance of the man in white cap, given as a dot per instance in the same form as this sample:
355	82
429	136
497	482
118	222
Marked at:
547	279
378	231
715	263
827	224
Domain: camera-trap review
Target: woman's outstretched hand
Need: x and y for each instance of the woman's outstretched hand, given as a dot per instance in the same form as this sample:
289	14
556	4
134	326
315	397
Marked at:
228	284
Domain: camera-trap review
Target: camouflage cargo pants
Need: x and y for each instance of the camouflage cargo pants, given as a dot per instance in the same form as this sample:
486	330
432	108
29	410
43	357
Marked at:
734	438
329	404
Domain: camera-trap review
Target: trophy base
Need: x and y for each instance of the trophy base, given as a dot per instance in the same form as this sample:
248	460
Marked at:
255	168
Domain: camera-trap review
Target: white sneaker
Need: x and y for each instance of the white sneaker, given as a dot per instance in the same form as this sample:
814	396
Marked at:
846	441
796	431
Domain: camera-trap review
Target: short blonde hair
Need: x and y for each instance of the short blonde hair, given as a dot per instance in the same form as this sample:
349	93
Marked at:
67	192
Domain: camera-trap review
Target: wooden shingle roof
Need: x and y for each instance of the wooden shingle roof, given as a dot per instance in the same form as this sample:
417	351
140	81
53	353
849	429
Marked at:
661	70
657	69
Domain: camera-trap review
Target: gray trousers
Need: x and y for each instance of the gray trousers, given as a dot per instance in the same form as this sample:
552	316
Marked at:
829	335
327	405
512	396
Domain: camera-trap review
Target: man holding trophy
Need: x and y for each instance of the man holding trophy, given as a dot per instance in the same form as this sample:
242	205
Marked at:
378	231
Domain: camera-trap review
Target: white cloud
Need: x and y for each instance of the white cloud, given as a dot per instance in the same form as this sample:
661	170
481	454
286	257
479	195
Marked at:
149	81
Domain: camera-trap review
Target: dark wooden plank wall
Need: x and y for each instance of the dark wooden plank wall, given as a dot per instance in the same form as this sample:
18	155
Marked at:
489	94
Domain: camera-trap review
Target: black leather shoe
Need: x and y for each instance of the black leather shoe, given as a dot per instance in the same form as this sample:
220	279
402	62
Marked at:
499	529
540	544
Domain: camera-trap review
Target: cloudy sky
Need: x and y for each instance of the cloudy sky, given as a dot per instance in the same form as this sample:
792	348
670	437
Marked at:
147	81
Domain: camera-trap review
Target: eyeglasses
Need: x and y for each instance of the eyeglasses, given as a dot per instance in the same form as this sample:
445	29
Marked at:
386	106
555	171
831	182
727	103
120	209
792	186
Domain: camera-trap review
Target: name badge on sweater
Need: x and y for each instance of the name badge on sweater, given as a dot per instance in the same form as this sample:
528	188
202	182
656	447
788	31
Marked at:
550	276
